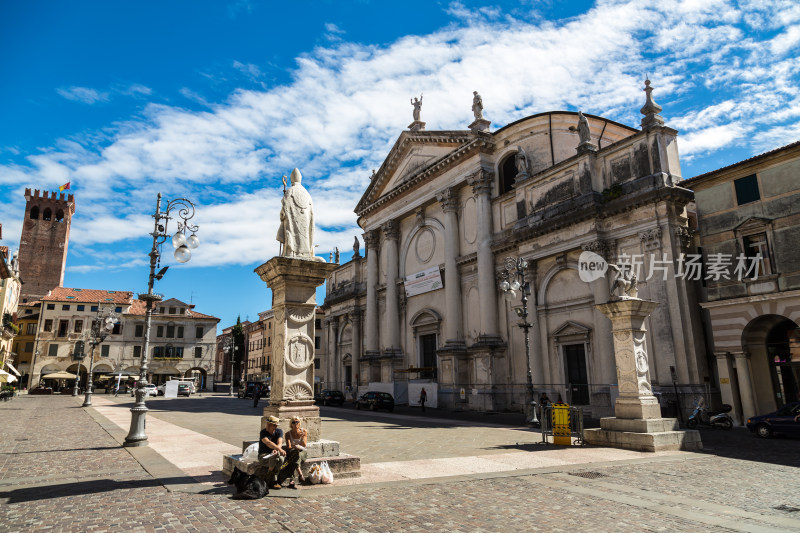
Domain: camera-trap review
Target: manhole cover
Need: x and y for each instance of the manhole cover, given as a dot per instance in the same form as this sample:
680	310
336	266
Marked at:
588	475
787	508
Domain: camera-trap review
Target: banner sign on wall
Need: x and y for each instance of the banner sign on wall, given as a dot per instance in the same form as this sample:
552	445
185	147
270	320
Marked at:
422	282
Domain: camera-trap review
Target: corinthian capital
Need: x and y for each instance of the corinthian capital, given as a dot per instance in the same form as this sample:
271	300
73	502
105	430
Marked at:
371	239
390	230
449	200
481	181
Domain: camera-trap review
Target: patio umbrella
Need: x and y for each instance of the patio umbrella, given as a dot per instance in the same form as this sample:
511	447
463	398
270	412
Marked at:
60	375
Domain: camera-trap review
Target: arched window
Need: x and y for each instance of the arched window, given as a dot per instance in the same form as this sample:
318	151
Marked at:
47	215
60	216
508	171
35	212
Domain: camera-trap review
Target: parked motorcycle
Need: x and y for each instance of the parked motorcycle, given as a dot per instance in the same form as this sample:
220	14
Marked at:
715	419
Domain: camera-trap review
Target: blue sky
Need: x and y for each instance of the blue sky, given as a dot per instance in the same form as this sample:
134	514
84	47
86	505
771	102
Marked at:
215	101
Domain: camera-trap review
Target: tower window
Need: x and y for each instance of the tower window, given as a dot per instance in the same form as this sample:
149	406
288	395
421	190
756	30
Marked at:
35	212
47	215
59	216
508	172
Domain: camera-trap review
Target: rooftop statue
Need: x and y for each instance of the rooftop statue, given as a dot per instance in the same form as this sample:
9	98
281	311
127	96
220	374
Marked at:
417	103
296	231
477	105
583	129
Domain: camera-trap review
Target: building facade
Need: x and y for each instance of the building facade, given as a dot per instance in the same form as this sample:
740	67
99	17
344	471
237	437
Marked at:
445	211
182	340
749	216
10	286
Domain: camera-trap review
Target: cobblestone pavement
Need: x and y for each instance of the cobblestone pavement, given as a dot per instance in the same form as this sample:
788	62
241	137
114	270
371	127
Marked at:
62	469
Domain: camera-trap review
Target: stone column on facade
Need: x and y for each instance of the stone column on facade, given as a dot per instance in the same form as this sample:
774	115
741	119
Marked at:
482	183
537	356
745	376
355	318
294	283
726	385
391	340
336	357
638	424
371	249
604	343
454	321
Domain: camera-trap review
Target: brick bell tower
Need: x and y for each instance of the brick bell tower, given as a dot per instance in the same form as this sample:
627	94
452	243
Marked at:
43	245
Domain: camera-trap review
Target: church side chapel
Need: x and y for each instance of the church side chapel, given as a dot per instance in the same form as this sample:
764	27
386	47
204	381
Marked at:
422	306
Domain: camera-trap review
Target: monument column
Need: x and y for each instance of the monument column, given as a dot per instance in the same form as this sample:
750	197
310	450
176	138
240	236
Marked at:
454	322
392	324
294	285
638	424
482	183
371	247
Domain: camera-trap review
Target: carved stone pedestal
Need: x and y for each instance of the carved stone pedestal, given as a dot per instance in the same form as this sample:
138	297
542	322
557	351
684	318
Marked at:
480	124
294	285
638	424
417	125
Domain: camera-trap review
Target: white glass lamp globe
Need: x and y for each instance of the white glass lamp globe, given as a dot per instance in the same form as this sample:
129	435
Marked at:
504	286
178	240
183	254
514	285
192	241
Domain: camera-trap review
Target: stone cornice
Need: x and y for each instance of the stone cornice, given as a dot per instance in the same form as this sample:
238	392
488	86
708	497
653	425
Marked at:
592	206
470	143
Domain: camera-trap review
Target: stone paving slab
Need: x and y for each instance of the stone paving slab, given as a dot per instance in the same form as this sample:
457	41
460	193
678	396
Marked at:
681	492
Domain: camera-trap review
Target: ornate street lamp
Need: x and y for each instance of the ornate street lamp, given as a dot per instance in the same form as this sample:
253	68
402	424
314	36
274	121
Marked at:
102	326
513	280
182	244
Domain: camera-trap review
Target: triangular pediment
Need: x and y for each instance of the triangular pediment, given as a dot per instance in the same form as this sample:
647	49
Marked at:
570	329
413	154
753	223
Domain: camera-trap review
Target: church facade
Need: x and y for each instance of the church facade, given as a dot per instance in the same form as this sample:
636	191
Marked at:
446	211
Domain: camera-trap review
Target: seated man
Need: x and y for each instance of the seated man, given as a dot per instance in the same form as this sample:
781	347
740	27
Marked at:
270	451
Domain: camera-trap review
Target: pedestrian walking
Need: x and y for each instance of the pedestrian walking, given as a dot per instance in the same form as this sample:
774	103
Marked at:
423	397
256	395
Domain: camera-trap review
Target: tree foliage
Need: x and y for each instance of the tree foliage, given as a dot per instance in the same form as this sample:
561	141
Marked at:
237	334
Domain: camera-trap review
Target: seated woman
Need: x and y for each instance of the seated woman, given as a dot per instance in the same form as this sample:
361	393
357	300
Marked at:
297	440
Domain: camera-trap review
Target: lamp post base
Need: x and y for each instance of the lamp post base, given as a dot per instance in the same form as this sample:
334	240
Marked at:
87	398
136	435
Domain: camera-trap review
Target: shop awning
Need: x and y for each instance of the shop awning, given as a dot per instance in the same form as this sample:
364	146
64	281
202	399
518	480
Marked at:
12	369
5	377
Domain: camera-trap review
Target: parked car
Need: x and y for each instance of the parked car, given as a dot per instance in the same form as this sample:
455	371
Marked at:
246	389
184	389
150	389
375	401
330	397
781	421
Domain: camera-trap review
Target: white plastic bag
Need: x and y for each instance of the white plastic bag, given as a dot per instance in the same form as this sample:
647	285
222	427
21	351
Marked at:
315	474
250	454
327	475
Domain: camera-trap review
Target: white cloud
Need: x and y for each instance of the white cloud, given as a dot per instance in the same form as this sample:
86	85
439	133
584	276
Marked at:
83	94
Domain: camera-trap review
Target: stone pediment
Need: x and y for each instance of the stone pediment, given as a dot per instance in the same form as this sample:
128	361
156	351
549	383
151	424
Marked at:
414	157
753	224
572	329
